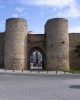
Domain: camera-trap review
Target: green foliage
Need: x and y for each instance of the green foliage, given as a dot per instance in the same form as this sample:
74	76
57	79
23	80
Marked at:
72	71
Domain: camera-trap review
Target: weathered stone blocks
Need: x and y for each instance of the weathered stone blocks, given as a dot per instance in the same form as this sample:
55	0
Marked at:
16	44
57	44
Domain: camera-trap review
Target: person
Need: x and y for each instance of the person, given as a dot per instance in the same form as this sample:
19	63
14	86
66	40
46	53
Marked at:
31	63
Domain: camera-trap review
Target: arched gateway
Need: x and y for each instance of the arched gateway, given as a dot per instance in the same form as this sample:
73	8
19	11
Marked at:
22	49
36	58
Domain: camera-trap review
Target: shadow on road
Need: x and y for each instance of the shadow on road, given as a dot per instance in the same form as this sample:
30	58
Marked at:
75	86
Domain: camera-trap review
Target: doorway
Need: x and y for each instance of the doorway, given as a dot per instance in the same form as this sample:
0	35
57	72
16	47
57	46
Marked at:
36	60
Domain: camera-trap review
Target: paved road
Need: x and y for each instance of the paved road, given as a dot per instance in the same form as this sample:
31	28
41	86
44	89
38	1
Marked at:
39	87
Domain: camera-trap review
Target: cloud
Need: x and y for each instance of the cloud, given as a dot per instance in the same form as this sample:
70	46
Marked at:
18	9
71	12
15	15
75	29
23	14
63	8
19	14
54	3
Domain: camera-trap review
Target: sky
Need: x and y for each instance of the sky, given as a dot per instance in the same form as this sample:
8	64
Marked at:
37	12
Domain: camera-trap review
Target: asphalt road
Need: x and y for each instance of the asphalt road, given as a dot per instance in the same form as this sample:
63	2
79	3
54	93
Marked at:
39	87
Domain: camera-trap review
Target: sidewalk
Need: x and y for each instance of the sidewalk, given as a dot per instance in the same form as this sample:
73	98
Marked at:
37	72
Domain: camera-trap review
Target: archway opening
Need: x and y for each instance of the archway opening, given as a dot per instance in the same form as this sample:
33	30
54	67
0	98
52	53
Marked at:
36	60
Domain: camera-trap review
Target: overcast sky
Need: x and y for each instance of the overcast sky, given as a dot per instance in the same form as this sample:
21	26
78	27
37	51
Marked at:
37	12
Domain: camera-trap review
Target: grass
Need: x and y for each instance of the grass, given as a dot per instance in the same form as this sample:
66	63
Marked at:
72	71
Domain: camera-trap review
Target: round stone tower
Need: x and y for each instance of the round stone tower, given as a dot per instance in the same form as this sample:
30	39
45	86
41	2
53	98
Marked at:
57	44
15	44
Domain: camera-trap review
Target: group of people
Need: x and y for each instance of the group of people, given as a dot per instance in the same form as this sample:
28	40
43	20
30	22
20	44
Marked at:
34	64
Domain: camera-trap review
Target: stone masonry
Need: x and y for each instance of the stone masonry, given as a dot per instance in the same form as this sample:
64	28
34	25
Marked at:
15	44
56	45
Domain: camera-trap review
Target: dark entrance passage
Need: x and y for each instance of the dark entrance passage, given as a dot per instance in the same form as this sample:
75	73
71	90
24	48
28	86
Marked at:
36	60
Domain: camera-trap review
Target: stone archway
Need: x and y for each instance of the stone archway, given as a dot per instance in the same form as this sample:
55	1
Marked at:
36	58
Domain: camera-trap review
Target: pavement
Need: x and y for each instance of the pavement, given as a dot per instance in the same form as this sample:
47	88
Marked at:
32	71
26	85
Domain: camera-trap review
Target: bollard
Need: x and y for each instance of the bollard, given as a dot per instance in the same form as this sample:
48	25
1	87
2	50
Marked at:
5	69
22	70
13	70
38	70
73	73
56	71
30	70
47	71
64	72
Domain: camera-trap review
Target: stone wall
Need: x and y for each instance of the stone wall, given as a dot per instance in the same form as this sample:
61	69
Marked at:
36	41
16	44
74	40
57	44
2	43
